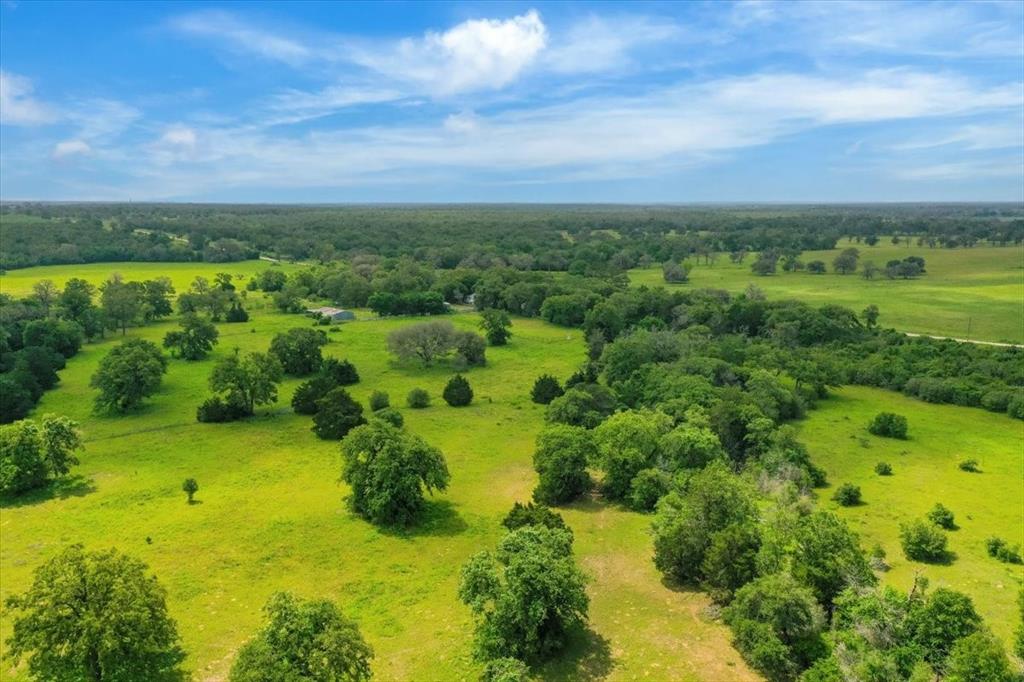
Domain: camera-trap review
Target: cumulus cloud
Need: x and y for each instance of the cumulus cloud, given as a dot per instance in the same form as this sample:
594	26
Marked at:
18	106
71	148
478	54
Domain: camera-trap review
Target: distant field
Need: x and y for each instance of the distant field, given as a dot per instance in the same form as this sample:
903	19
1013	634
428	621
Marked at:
975	293
925	472
19	282
272	516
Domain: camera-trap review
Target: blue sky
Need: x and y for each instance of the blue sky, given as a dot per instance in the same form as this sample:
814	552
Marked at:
509	101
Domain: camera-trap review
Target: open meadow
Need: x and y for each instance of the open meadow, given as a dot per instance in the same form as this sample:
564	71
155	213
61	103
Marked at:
19	282
925	471
975	293
271	514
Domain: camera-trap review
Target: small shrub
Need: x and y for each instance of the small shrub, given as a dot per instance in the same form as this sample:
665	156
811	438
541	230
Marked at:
458	392
418	399
923	541
970	466
379	400
236	314
876	557
847	495
190	488
505	670
883	469
942	517
545	389
391	416
889	425
216	410
999	549
342	372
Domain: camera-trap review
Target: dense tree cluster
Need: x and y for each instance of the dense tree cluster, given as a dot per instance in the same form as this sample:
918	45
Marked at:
31	453
573	238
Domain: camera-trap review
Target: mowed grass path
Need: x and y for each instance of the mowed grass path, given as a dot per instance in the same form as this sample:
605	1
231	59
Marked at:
271	516
975	293
19	283
925	471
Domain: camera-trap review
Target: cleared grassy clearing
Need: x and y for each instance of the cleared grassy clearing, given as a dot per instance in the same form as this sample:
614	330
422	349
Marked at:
925	472
272	518
19	282
975	293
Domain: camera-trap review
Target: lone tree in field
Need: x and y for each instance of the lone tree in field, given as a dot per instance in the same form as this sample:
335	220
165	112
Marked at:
94	616
190	488
674	272
846	262
247	380
426	341
336	414
417	399
31	454
527	596
545	389
298	350
196	339
122	302
303	640
457	392
127	374
495	324
388	470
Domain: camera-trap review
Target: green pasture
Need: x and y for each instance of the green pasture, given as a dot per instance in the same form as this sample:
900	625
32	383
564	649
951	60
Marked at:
975	293
19	283
925	471
271	514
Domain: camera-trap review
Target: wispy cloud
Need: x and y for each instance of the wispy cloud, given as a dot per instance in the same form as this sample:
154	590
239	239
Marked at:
17	104
235	35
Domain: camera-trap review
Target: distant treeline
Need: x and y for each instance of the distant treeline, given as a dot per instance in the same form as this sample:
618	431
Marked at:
552	238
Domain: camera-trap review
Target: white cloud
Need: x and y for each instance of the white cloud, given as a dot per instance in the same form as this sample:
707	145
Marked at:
238	36
962	170
973	137
604	43
179	136
478	54
18	106
71	148
589	138
101	119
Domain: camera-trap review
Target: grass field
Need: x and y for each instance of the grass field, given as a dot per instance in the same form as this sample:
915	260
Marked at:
272	516
19	283
925	472
975	293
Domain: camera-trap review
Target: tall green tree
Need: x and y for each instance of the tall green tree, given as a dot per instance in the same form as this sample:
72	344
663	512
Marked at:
94	616
561	459
247	380
194	340
389	469
127	374
303	641
122	302
495	324
527	596
298	350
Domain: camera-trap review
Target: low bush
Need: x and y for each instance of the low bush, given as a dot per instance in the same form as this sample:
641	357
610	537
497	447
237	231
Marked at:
923	541
391	416
545	389
847	495
942	517
970	466
883	469
418	399
216	410
379	400
889	425
999	549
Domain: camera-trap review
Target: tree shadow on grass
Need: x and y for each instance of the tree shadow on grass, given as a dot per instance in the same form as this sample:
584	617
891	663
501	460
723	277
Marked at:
439	519
587	657
60	489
